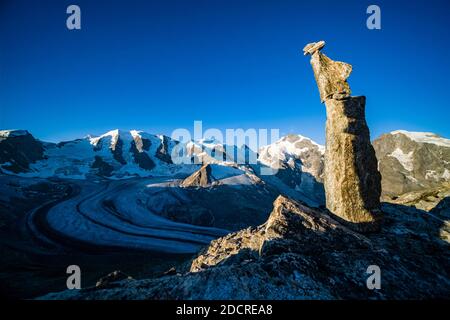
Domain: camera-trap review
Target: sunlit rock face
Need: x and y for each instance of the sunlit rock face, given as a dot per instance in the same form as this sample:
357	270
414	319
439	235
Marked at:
351	178
200	178
412	161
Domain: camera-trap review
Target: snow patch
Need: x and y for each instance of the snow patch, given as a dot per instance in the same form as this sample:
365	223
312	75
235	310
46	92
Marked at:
405	159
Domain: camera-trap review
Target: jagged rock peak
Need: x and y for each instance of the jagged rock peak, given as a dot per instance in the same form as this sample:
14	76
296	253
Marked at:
200	178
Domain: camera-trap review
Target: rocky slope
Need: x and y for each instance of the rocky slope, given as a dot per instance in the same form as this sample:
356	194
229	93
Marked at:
412	161
303	253
19	150
435	200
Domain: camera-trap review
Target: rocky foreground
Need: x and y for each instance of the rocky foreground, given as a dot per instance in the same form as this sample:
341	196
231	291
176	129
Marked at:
304	253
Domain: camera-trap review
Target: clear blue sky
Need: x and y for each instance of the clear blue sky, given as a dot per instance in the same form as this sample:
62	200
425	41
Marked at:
160	65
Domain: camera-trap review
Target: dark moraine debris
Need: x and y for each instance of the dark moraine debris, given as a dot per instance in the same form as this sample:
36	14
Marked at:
163	151
18	149
116	150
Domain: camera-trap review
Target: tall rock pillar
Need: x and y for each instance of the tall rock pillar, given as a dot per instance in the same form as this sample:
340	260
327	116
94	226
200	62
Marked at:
351	177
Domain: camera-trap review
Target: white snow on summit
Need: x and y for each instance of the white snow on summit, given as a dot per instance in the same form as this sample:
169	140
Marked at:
113	134
12	133
425	137
285	149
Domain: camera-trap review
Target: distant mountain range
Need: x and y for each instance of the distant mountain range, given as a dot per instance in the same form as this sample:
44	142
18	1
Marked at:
408	161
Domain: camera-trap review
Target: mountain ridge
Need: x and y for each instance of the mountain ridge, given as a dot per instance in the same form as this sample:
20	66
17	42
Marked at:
408	161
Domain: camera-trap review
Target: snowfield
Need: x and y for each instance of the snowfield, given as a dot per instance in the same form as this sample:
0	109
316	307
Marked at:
406	159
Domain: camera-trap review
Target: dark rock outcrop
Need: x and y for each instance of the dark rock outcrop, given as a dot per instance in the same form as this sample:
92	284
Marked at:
351	178
111	279
104	168
18	149
163	153
117	151
289	222
141	157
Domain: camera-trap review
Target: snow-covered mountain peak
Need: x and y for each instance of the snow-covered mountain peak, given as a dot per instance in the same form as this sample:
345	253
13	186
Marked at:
295	143
289	148
424	137
116	154
13	133
298	161
136	133
113	134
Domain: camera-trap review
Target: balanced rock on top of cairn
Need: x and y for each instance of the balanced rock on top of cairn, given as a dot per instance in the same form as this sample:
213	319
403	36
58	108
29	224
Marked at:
351	177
